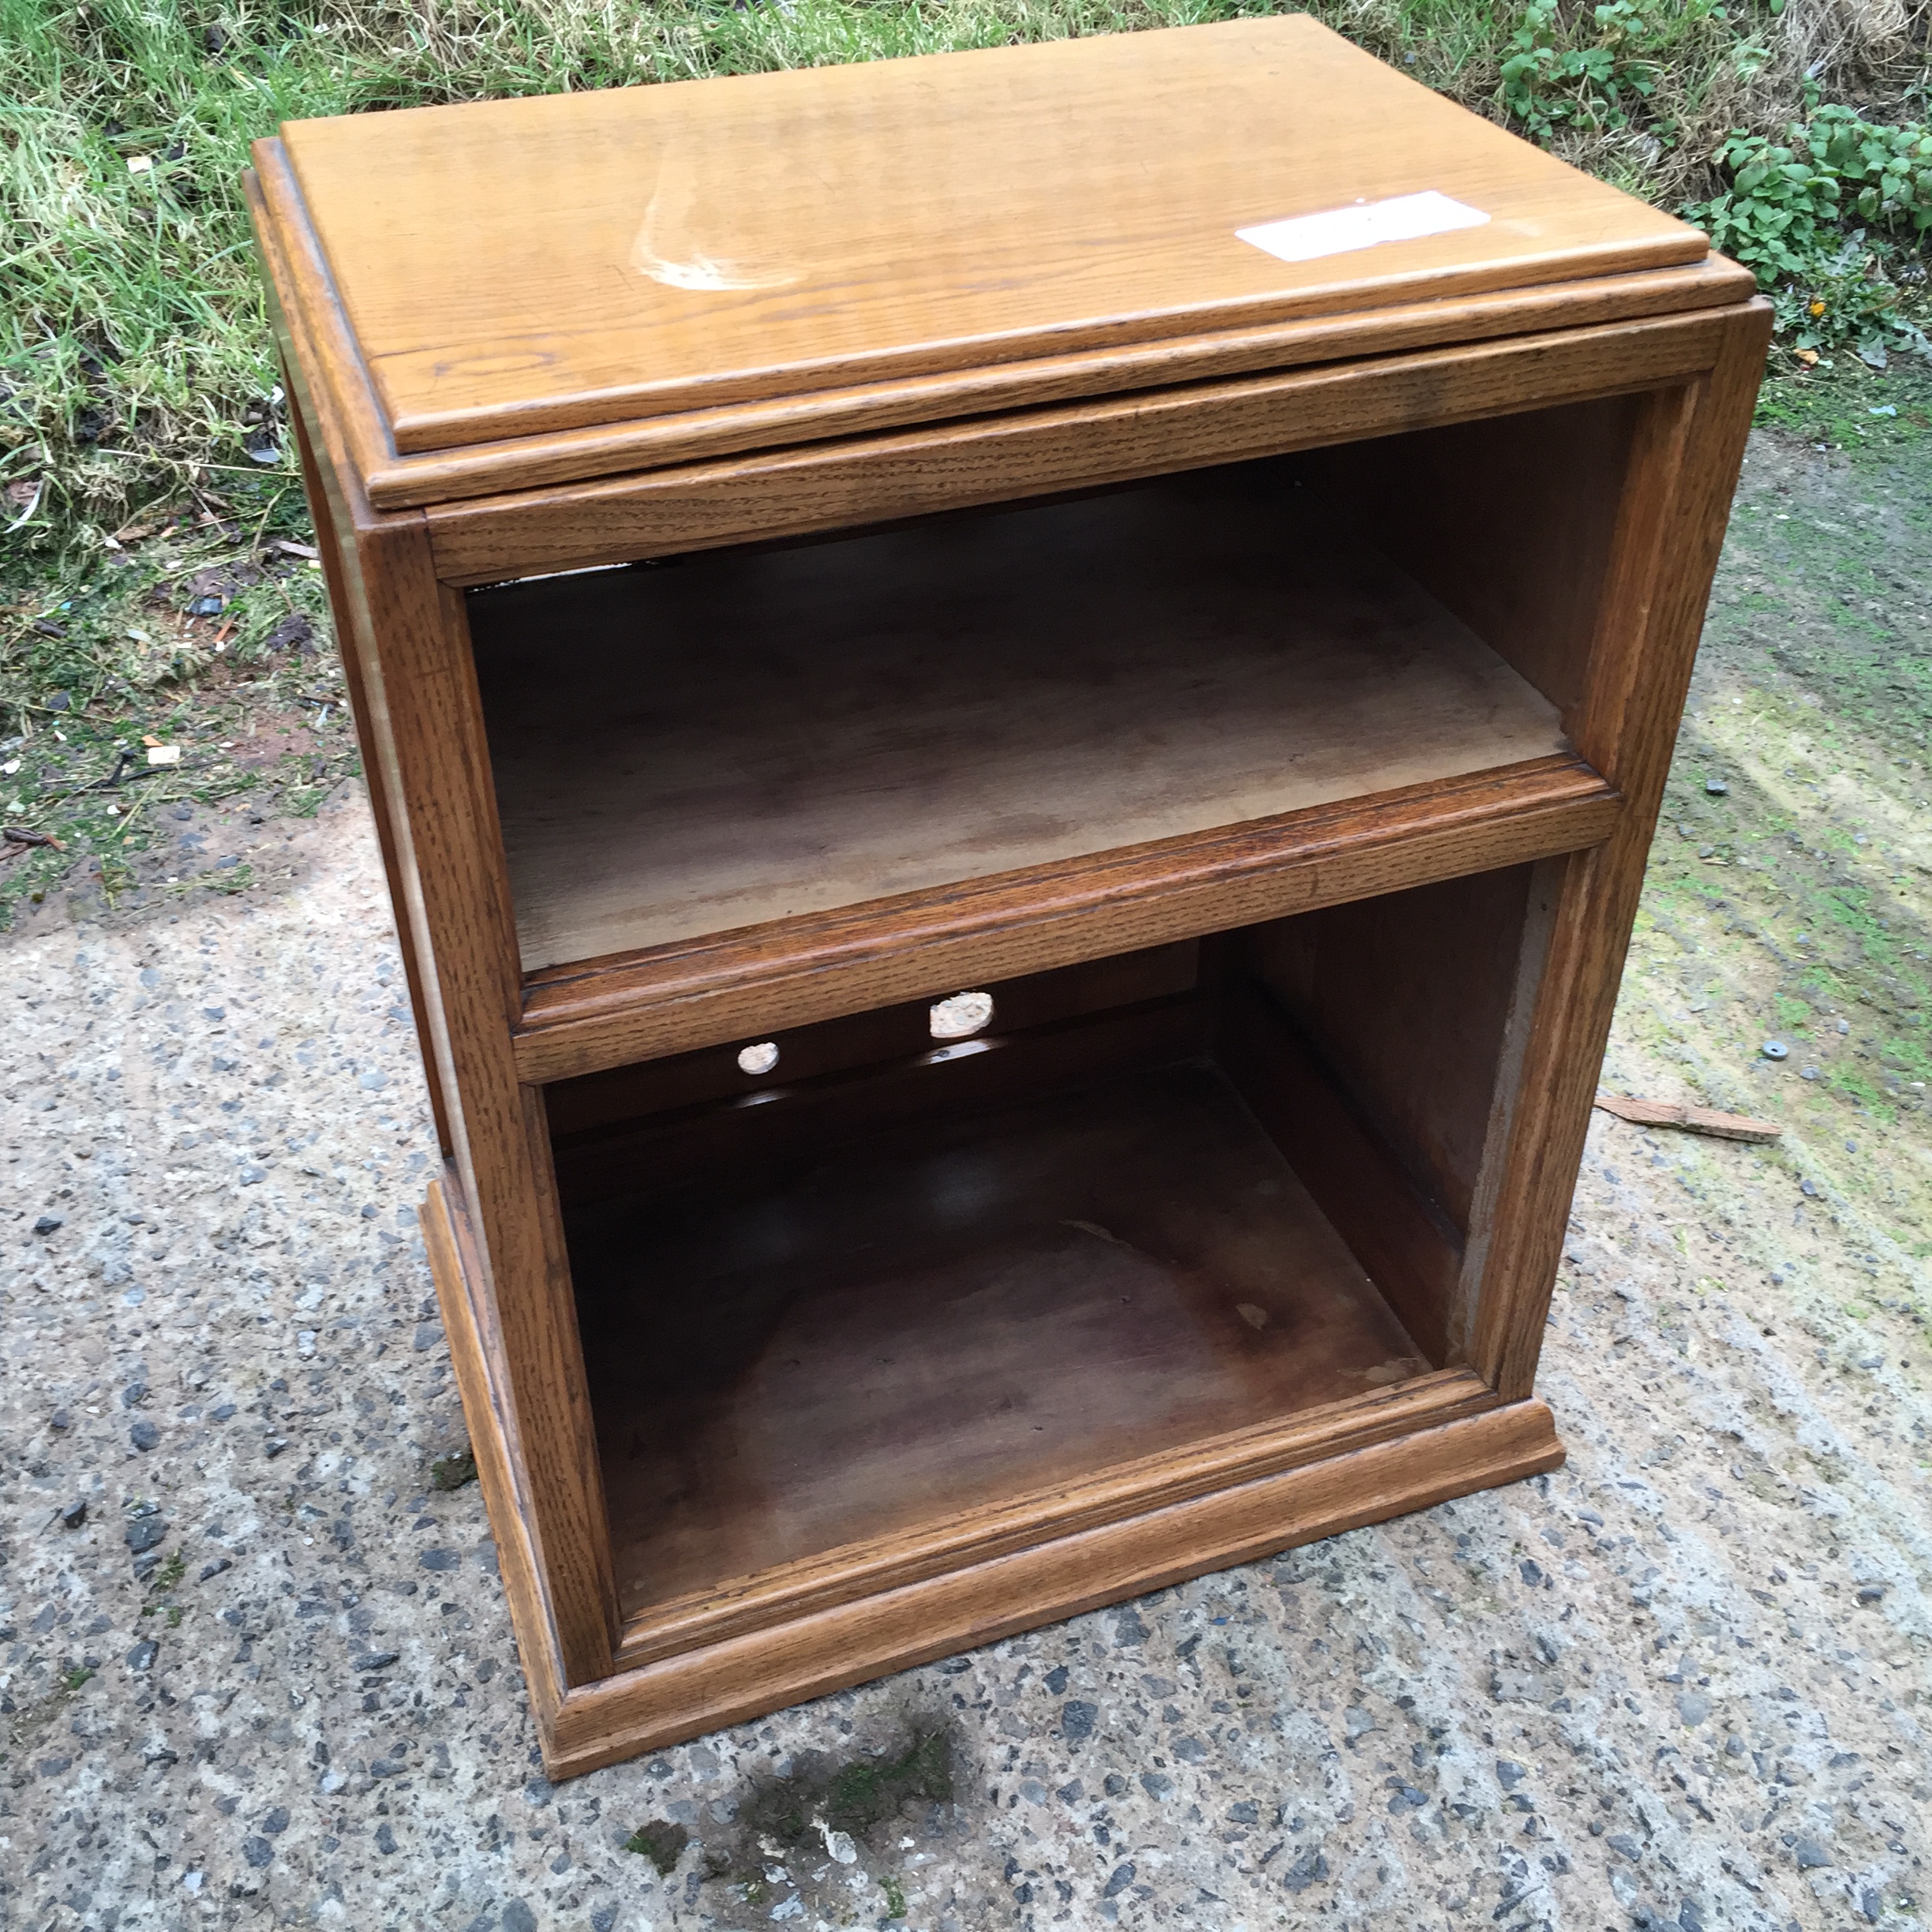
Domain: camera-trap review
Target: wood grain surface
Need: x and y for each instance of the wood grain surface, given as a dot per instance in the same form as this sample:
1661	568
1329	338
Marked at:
419	724
1688	444
970	1337
476	1353
645	1089
1700	1120
867	479
891	1326
742	239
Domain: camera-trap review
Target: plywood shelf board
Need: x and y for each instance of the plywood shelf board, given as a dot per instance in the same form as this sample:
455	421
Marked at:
931	1323
740	738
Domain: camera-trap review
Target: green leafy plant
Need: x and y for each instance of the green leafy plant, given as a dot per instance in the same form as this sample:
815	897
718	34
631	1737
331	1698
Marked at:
1600	70
1787	215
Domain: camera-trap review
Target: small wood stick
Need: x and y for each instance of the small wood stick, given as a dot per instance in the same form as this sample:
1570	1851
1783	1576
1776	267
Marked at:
1689	1119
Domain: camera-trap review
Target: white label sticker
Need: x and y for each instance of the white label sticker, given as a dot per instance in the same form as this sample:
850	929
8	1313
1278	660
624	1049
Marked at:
1367	224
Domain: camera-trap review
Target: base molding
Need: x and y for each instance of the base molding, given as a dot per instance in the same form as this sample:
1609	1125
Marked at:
831	1648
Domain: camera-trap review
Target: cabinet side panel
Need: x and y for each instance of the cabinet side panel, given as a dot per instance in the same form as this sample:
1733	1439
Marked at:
1687	449
1406	998
351	650
1510	521
428	721
420	727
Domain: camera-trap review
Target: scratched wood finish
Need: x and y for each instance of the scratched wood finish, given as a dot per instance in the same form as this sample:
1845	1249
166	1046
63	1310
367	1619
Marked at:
1572	402
687	259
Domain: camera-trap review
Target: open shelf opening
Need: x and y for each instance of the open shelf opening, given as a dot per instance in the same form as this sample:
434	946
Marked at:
889	1279
715	742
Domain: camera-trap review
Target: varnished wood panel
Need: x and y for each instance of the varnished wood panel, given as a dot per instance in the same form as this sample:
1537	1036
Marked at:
1522	563
643	1090
784	733
393	481
544	434
1394	1229
1687	447
476	1353
800	1632
675	998
351	650
1100	1496
741	239
779	1125
420	726
1406	996
860	480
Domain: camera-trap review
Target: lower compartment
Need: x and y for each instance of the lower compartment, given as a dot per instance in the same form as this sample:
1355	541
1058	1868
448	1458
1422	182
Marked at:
858	1343
844	1295
736	1657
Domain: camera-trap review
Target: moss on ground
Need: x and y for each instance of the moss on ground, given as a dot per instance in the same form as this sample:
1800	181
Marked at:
1796	904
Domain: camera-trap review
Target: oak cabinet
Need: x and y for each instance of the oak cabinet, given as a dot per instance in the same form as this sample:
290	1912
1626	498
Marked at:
1015	702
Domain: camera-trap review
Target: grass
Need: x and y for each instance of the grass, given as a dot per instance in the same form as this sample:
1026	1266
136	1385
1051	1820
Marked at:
1793	905
117	653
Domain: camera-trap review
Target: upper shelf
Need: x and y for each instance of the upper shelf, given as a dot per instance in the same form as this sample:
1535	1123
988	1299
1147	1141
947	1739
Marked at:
750	736
552	286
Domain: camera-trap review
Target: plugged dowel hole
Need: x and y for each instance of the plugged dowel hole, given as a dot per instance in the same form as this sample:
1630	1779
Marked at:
961	1016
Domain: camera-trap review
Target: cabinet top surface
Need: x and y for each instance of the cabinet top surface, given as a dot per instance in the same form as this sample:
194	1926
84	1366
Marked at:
515	268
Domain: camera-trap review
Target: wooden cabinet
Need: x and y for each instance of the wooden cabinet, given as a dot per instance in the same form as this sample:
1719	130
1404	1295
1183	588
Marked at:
1015	702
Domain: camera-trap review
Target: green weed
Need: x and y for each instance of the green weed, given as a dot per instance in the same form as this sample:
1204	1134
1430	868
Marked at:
661	1842
1833	218
1600	69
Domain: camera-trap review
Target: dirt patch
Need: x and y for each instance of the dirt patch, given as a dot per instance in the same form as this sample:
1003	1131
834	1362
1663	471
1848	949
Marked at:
809	1829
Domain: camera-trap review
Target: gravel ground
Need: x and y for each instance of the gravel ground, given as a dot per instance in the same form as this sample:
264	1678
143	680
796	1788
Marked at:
257	1668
